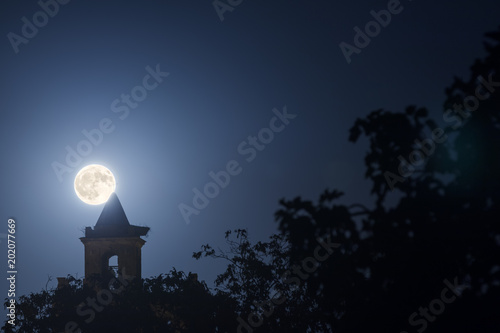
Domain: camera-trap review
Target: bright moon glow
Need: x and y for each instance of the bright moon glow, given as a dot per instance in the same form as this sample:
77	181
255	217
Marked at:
94	184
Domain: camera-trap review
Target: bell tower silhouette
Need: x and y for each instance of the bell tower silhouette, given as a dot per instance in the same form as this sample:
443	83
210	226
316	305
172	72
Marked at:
113	235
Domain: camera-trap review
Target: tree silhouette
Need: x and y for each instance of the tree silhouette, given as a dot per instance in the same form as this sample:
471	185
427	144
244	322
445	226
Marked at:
173	302
260	279
443	226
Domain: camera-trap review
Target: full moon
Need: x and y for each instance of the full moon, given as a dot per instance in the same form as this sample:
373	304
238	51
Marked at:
94	184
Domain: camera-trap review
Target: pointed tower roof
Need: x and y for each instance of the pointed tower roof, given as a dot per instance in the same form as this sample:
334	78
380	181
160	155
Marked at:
114	223
113	213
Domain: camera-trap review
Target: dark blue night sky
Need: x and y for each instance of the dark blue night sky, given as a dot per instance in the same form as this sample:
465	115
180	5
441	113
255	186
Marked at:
179	95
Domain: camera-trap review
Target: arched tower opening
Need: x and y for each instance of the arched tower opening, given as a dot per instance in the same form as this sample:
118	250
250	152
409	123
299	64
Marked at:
113	265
